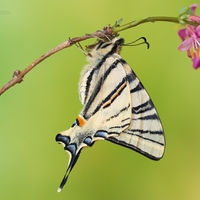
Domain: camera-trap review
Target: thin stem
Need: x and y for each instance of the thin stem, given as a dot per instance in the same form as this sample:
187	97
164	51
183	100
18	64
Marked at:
107	32
19	75
152	20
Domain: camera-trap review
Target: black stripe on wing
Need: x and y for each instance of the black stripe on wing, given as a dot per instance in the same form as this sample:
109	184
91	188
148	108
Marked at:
146	106
141	131
105	100
147	117
120	112
117	126
98	66
137	88
98	88
123	143
142	108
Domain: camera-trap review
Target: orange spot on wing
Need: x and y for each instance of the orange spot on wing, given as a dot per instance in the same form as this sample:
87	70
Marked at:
114	96
80	121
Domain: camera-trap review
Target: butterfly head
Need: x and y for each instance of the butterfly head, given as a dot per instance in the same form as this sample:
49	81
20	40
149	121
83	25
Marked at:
117	44
103	48
112	46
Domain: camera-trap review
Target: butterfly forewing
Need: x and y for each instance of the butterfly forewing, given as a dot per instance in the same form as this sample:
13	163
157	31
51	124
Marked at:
145	133
111	89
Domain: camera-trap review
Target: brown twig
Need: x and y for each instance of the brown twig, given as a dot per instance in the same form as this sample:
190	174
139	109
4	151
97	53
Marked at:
107	32
19	75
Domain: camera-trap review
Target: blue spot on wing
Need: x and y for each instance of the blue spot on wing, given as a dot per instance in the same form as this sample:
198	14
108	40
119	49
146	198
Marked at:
72	149
62	138
88	141
101	133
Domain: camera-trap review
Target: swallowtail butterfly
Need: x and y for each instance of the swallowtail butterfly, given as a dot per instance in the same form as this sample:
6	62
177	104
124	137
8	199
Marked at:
116	107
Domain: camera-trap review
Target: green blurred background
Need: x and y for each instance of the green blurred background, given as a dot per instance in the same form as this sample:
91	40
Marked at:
32	164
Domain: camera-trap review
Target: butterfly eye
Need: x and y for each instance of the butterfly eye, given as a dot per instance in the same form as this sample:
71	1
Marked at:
119	41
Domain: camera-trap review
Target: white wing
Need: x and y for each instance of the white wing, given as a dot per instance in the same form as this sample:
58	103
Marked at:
145	133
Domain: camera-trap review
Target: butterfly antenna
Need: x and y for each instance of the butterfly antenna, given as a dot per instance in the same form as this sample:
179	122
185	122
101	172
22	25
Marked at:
134	43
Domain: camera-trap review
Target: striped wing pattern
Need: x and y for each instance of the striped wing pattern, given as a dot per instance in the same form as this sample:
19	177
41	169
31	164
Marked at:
116	108
145	133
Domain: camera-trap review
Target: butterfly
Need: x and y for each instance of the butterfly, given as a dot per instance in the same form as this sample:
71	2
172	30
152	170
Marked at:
116	108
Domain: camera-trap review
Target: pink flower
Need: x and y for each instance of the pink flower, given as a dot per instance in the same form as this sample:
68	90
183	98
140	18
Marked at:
196	62
190	37
193	7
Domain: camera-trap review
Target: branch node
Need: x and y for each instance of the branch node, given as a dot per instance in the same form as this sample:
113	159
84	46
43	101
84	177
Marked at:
16	76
